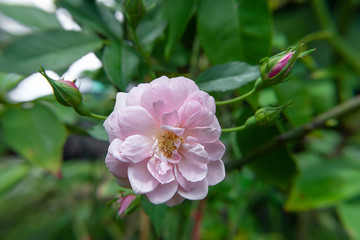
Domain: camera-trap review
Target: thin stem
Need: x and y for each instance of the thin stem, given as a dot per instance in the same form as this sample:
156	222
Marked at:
234	129
348	53
338	111
141	50
242	97
96	116
249	122
323	34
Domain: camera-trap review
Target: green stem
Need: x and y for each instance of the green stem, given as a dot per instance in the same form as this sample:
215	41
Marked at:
348	53
339	111
242	97
323	34
249	122
96	116
145	56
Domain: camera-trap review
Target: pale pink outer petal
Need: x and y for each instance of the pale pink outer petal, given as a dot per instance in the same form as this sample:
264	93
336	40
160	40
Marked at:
156	94
201	118
111	126
191	170
120	101
116	167
141	179
175	200
135	93
215	149
195	152
163	80
163	192
136	148
198	192
202	134
204	99
111	123
114	150
188	109
216	172
136	120
185	184
181	88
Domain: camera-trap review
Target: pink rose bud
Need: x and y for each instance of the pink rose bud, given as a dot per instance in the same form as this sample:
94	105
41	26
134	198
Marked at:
126	204
267	116
280	65
164	141
276	68
66	92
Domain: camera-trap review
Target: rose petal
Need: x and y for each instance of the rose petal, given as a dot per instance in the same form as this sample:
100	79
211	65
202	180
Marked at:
136	120
156	93
161	170
191	170
135	93
141	179
175	200
198	192
170	118
188	109
114	150
215	150
204	99
216	172
163	192
136	148
181	88
185	184
202	134
195	152
116	167
201	118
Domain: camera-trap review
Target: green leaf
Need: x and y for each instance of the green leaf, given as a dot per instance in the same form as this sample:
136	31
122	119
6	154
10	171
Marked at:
10	175
156	214
29	16
300	111
8	82
120	63
255	29
53	49
149	30
98	132
276	166
227	76
324	185
178	14
229	31
95	16
349	214
36	134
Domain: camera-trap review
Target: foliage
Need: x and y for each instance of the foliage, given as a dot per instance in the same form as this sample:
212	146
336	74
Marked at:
295	179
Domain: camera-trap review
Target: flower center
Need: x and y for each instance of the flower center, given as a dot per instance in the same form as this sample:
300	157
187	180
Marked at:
168	143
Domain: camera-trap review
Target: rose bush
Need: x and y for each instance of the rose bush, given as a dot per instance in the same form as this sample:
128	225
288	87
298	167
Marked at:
164	141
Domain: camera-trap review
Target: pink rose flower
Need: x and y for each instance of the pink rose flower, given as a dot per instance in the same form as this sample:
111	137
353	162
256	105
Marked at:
164	141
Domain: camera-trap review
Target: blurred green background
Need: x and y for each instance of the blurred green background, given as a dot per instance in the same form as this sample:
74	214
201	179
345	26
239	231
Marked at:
53	180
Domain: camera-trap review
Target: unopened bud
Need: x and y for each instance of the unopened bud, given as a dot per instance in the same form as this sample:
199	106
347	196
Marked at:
267	116
127	204
66	92
276	68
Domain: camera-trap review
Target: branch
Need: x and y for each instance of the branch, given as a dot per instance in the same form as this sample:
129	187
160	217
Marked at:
338	111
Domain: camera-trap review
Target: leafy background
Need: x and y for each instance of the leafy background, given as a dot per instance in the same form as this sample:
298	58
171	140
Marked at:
53	180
